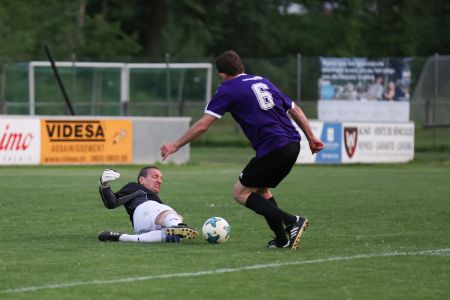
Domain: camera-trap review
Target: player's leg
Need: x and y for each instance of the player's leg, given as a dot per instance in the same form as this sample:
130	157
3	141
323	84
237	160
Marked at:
273	215
275	218
275	225
156	236
172	224
249	197
151	215
148	219
265	193
168	218
269	171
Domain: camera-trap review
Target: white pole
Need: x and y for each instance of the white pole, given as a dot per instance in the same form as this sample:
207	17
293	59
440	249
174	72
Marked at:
208	83
124	87
31	99
299	77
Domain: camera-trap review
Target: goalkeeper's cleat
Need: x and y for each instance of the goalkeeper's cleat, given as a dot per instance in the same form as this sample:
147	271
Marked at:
274	244
182	230
173	238
296	232
109	236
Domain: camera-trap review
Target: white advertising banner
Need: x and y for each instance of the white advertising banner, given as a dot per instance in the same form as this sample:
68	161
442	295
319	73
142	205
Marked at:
363	111
360	142
20	141
377	142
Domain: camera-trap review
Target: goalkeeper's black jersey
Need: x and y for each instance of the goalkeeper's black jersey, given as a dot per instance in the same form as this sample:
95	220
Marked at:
130	196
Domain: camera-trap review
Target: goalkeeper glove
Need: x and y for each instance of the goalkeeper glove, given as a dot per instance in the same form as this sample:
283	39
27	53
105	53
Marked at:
108	175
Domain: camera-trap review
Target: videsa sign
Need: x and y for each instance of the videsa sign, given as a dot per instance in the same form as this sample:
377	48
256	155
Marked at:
90	141
20	141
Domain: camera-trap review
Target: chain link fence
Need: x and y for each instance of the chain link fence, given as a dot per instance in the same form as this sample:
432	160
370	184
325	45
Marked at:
432	94
181	92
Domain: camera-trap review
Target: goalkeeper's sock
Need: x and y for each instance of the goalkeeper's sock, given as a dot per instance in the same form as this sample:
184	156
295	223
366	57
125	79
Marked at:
172	220
261	206
148	237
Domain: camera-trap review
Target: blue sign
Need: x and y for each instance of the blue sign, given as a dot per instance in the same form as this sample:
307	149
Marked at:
332	138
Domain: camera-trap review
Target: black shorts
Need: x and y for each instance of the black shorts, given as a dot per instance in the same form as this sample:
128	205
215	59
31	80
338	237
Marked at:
269	170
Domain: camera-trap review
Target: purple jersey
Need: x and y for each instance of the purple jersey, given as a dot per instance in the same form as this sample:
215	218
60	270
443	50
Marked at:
259	108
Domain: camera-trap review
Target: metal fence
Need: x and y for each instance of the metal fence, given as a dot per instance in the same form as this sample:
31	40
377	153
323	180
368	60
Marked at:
181	92
431	100
105	88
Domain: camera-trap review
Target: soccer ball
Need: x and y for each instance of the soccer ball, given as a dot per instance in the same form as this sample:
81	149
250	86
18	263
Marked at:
216	230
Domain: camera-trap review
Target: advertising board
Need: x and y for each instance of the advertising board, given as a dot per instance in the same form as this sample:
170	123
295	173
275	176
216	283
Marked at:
91	141
360	142
377	142
20	141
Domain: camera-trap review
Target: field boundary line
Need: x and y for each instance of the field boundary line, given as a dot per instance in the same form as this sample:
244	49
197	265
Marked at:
444	251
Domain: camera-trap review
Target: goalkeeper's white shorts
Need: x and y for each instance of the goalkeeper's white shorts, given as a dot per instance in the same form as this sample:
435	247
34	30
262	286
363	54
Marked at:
145	215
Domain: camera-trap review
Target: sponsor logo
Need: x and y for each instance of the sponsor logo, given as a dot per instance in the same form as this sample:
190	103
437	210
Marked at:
332	137
14	141
75	131
86	141
350	140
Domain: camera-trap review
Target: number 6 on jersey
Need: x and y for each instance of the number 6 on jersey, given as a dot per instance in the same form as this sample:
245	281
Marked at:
264	97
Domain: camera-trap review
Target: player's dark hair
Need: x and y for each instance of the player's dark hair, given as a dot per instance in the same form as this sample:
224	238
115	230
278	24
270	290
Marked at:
229	63
144	171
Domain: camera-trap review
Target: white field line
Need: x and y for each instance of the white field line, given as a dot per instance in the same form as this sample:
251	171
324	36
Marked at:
445	251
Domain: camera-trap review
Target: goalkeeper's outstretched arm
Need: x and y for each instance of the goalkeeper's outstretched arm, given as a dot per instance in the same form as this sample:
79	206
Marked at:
108	197
112	200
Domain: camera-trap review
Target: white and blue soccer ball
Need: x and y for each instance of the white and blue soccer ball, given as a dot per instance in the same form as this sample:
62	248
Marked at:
216	230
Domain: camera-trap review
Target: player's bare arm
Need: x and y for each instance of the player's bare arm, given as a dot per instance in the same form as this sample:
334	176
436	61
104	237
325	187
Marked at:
300	118
191	134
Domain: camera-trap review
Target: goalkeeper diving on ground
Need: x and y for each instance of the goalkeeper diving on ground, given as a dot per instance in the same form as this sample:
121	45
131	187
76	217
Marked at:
152	220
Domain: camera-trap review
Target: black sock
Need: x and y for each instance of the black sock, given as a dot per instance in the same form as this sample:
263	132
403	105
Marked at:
277	226
267	209
272	199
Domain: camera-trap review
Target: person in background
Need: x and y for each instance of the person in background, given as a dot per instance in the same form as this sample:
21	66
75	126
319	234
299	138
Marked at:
389	93
375	91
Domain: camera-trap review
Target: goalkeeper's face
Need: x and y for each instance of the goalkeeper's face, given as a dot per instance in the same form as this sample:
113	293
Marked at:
153	180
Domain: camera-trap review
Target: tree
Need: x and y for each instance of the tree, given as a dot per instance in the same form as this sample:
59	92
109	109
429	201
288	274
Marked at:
57	23
192	29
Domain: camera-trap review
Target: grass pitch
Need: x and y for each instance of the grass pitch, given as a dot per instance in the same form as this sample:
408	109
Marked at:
376	232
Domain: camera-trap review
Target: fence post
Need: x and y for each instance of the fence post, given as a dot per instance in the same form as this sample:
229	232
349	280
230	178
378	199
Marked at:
124	89
436	82
299	77
31	94
168	87
2	90
73	57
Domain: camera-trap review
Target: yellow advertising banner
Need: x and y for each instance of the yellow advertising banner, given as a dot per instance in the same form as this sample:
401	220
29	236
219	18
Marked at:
86	141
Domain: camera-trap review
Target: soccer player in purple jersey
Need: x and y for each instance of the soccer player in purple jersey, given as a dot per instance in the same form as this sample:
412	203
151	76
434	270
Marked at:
262	112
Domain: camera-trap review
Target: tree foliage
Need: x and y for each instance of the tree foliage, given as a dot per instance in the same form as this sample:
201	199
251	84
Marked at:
193	29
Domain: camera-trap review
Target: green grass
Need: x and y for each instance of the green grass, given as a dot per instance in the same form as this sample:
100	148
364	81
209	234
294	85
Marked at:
432	139
50	217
